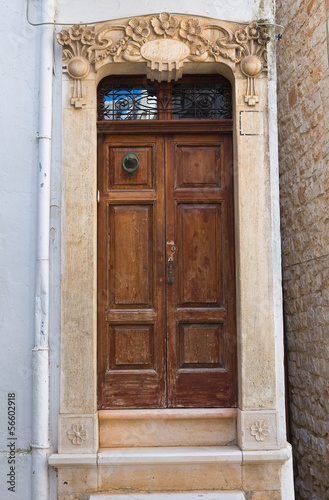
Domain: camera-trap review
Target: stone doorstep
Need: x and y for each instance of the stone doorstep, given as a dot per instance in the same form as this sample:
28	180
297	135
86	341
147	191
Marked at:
192	495
189	471
173	427
170	455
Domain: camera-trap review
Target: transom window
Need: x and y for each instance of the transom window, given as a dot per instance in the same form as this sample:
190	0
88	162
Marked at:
197	97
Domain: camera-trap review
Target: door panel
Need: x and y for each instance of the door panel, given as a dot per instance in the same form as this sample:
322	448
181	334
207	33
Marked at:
199	242
200	303
131	306
198	166
131	251
200	345
166	303
144	176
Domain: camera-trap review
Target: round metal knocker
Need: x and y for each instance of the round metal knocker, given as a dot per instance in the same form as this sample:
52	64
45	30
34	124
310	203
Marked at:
130	163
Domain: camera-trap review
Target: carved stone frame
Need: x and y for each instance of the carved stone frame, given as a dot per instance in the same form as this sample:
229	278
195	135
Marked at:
165	47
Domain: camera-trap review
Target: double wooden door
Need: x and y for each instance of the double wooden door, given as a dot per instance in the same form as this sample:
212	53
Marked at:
166	305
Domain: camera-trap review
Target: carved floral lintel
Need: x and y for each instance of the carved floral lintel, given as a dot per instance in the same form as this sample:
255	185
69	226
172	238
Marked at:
164	42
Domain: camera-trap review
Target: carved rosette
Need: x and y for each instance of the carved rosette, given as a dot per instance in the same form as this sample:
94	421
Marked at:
77	434
164	43
259	430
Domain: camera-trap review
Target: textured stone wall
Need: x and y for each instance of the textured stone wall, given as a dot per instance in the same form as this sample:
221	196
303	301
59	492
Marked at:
303	97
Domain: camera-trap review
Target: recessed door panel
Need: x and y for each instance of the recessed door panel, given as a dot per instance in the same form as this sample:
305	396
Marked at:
131	347
142	178
200	345
198	166
131	251
199	241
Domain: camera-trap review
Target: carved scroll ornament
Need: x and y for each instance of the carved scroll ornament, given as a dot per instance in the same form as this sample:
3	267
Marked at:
164	43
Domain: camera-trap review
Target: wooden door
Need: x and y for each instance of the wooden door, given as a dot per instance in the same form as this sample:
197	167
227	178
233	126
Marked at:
166	308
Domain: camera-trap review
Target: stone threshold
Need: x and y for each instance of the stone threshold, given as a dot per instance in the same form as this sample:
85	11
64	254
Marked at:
170	455
192	495
185	413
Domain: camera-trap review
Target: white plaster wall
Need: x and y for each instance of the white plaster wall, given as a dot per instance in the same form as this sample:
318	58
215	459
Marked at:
18	153
86	11
19	88
19	66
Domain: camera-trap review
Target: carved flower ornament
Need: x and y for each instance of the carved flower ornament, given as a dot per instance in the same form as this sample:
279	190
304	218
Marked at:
190	29
63	37
76	32
241	36
88	37
259	430
77	434
165	24
137	30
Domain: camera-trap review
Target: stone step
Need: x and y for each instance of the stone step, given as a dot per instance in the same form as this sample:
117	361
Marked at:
157	469
191	495
176	427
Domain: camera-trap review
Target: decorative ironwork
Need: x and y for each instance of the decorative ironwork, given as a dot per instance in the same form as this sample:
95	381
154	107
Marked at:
154	101
202	101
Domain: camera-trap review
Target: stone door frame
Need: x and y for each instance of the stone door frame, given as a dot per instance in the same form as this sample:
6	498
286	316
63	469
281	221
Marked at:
165	47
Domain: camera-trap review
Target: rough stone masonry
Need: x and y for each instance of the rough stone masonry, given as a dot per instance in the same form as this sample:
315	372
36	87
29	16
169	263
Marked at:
303	102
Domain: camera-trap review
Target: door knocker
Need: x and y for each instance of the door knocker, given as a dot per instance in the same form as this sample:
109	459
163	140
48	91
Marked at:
130	163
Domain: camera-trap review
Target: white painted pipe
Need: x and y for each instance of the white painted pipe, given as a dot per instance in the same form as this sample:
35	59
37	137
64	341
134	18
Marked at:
40	356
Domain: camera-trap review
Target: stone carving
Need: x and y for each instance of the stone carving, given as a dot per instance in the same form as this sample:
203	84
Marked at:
165	43
78	46
259	430
253	40
77	435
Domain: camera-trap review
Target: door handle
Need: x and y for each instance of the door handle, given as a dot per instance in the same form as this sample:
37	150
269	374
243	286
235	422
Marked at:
170	279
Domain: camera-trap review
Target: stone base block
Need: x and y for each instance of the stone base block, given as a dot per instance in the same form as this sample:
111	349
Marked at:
128	428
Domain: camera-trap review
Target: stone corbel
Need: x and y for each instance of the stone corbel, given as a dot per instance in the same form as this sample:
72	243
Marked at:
164	43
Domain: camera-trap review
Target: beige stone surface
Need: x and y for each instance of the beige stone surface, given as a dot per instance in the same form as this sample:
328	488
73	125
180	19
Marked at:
73	482
172	469
263	495
168	431
78	321
169	478
303	97
255	308
261	477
